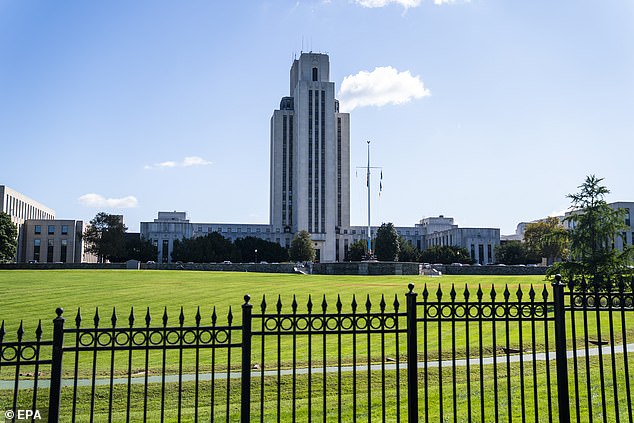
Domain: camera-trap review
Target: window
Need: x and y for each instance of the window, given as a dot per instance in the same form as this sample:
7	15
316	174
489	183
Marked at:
51	229
36	249
38	229
315	74
49	251
64	229
63	252
165	251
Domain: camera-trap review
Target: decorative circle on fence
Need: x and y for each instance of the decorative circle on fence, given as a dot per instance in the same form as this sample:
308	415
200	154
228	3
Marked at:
460	311
139	338
317	323
156	337
474	311
301	323
286	324
500	310
9	353
271	324
447	311
122	338
347	323
28	353
332	323
486	310
361	322
221	336
172	337
104	339
431	311
189	337
86	339
513	310
205	336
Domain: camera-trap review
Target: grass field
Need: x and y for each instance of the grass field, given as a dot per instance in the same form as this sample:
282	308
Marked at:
32	295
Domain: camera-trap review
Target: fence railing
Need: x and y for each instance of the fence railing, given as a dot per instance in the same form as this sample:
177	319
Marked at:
546	354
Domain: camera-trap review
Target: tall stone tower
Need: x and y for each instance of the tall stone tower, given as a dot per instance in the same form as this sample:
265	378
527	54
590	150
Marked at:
310	160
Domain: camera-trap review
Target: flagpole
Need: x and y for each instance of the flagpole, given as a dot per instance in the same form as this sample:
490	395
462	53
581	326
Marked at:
369	227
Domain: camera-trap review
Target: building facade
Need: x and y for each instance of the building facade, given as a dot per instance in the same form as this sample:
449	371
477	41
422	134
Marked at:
21	208
54	241
441	231
310	159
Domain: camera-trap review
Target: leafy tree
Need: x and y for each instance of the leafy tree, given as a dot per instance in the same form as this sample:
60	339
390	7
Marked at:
302	247
446	254
267	250
212	247
407	252
386	243
594	225
105	237
513	252
357	251
137	248
8	238
546	238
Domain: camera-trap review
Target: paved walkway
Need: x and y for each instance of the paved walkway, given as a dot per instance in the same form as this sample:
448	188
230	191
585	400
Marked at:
139	380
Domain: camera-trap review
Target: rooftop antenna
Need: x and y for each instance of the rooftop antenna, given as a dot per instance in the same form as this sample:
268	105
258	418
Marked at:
370	254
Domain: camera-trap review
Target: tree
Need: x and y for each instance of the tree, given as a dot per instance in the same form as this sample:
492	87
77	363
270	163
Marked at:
266	250
546	238
302	247
137	248
211	248
386	243
446	254
105	237
594	225
407	252
513	252
8	238
357	251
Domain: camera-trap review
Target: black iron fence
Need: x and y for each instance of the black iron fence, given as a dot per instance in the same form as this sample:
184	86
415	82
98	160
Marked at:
547	354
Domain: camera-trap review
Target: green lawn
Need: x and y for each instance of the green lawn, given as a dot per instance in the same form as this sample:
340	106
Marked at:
32	295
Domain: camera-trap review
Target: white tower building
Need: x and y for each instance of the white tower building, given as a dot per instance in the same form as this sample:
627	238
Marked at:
310	160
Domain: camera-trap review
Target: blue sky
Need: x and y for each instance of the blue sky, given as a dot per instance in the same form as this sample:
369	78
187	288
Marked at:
488	111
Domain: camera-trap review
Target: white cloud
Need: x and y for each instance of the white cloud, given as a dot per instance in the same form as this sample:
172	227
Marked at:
186	162
384	85
382	3
96	200
194	161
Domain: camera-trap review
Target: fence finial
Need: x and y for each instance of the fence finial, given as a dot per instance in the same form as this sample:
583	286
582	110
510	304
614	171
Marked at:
59	311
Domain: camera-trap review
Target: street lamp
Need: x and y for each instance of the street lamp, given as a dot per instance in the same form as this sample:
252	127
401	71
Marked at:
256	255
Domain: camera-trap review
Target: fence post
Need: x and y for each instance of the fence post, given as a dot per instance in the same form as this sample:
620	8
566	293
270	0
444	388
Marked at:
412	357
56	367
561	355
245	402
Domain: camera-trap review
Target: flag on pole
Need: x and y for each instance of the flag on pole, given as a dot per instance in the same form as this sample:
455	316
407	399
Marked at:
381	183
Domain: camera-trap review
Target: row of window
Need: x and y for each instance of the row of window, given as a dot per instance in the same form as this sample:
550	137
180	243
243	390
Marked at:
23	210
50	229
50	250
229	230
